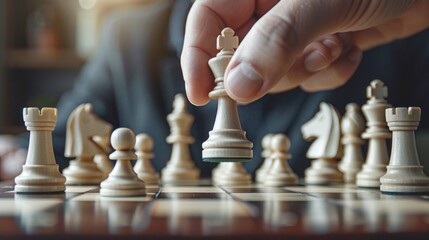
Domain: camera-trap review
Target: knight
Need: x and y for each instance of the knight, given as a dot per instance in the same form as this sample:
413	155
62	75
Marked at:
82	126
325	128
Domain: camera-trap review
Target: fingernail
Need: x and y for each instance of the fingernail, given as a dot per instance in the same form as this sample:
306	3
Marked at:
333	46
315	61
354	55
243	81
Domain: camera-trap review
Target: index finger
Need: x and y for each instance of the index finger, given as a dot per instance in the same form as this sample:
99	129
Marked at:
205	21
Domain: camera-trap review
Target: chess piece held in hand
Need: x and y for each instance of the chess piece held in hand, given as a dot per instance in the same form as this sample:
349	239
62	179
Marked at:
227	142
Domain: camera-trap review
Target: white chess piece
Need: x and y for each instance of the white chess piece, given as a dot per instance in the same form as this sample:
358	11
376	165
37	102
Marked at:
227	142
232	174
82	126
180	167
404	174
261	173
280	173
377	157
122	181
352	126
143	167
102	159
325	128
40	173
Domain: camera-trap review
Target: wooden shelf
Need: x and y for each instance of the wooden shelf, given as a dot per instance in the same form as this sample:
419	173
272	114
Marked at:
49	60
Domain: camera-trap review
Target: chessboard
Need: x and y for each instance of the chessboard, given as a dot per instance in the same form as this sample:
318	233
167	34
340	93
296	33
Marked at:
202	210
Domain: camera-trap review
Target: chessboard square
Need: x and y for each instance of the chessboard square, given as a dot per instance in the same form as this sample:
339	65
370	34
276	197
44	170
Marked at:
193	195
199	208
389	206
79	189
273	197
254	189
10	207
96	197
328	189
190	189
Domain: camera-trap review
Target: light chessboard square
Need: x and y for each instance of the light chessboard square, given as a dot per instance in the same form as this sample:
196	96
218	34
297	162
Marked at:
273	197
14	206
190	189
96	197
199	208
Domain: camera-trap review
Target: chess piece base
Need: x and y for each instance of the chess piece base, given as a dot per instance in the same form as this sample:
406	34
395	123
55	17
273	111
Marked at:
149	178
404	180
40	179
122	192
279	180
83	173
121	187
175	174
226	159
323	172
238	180
370	176
350	171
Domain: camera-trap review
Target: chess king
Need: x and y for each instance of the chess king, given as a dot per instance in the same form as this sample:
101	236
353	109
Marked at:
227	142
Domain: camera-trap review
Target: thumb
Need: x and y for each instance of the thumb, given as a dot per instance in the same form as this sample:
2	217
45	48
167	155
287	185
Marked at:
272	44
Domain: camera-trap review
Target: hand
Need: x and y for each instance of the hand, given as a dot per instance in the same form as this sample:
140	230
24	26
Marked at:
314	44
12	157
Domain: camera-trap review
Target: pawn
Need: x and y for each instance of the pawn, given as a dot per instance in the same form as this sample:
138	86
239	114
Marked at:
352	126
143	167
232	174
122	181
261	173
280	174
404	173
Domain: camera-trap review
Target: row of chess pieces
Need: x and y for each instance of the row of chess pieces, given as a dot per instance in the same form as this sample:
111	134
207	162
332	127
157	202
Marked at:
337	138
87	141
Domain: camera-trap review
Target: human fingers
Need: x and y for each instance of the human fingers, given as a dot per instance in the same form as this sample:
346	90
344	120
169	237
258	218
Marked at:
272	45
205	21
414	20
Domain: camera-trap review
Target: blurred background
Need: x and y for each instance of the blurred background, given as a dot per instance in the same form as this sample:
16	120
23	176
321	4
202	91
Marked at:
43	45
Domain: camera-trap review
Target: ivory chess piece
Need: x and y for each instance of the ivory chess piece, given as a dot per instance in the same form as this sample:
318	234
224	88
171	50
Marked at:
325	127
102	159
82	126
261	173
122	181
404	174
280	173
227	142
232	174
143	167
377	157
216	171
40	174
180	167
352	126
